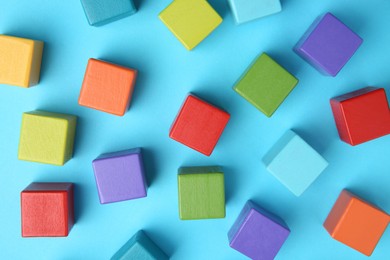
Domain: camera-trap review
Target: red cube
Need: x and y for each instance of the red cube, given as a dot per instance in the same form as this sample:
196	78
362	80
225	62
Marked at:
362	115
47	209
199	125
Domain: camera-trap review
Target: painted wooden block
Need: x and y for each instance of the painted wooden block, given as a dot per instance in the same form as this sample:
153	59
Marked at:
328	45
120	176
294	163
199	125
361	115
20	63
356	223
47	209
249	10
257	233
47	137
107	87
201	193
265	84
140	247
191	21
100	12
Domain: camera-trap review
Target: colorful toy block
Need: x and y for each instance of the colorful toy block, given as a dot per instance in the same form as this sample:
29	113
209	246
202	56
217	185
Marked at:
265	84
140	247
199	125
20	63
191	21
356	223
120	176
107	87
245	11
47	209
361	115
201	193
100	12
257	233
294	163
47	137
328	45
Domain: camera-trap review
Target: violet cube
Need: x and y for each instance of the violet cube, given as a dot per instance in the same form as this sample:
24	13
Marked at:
120	176
328	45
257	233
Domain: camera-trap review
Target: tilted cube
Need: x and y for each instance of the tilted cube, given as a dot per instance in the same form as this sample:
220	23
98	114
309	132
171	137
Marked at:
249	10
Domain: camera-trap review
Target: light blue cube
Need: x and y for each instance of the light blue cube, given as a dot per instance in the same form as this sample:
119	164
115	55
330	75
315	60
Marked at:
248	10
100	12
294	163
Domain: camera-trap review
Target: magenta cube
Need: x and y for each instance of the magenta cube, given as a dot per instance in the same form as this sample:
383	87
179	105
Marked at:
120	176
257	233
328	45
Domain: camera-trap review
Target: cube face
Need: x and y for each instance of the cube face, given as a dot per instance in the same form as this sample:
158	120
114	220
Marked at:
356	223
191	21
328	45
248	10
47	137
362	115
201	193
265	84
120	176
199	125
20	64
100	12
47	210
107	87
258	233
294	163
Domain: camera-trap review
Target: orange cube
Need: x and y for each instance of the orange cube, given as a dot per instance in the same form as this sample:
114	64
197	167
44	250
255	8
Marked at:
356	223
107	87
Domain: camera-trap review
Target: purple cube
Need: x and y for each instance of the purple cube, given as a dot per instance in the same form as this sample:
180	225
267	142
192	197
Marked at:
120	176
257	233
328	44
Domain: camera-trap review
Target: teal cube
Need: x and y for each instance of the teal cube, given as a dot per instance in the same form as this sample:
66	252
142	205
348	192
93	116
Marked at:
294	163
248	10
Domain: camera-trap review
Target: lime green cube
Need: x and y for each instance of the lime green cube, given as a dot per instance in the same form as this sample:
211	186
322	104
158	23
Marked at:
201	193
265	84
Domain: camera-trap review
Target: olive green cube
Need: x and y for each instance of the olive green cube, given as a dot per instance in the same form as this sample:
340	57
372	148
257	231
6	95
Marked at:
201	193
265	84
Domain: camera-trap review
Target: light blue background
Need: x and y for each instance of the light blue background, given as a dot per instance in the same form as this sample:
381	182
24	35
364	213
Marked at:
167	72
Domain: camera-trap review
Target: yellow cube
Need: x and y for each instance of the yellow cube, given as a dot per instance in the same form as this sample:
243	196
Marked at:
20	62
47	137
191	21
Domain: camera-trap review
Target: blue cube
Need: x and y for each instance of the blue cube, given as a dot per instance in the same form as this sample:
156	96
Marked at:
248	10
100	12
294	163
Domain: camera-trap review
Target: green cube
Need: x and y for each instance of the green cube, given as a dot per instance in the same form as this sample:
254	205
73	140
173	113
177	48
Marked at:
201	193
265	84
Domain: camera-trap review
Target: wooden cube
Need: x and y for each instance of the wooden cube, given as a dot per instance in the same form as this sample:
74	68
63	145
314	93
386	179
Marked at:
249	10
20	62
47	209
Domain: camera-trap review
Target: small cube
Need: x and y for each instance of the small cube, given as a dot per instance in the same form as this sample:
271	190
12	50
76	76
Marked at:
100	12
356	223
141	247
47	209
294	163
328	45
199	125
265	84
248	10
20	63
107	87
47	137
257	233
120	176
361	115
201	193
191	21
